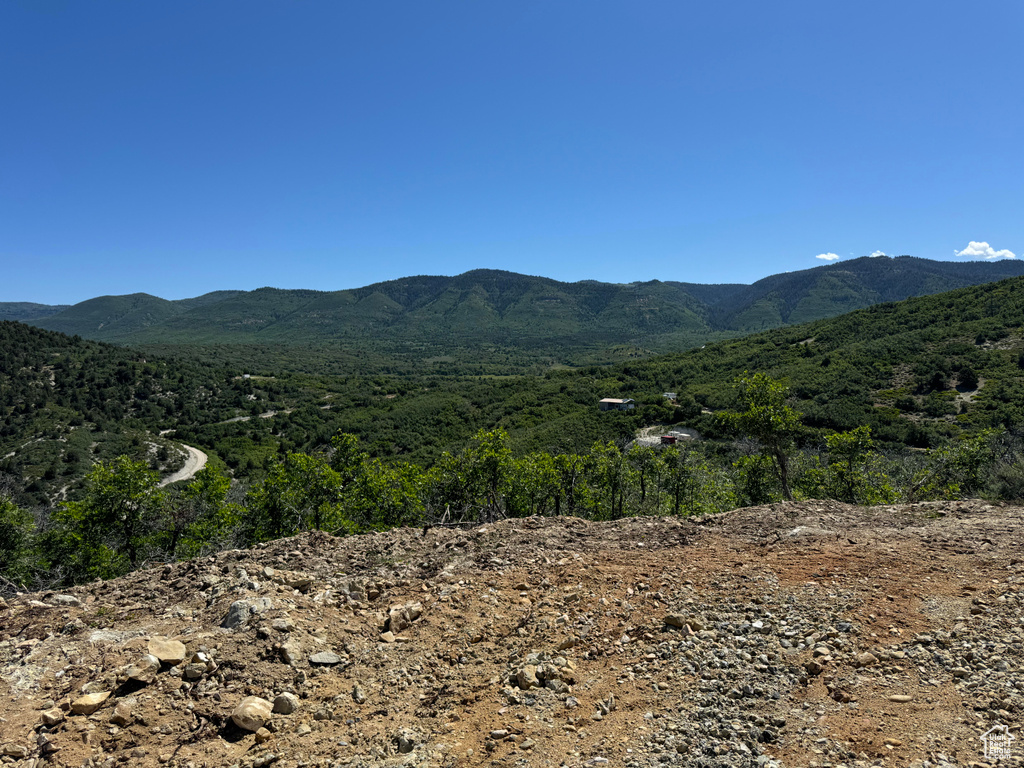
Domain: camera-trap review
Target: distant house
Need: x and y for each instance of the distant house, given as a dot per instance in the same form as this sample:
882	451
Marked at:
669	395
616	404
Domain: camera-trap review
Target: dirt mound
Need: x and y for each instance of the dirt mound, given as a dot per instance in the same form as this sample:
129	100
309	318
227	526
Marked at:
793	634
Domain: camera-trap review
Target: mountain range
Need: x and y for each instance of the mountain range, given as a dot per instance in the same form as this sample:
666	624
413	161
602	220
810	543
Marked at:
488	307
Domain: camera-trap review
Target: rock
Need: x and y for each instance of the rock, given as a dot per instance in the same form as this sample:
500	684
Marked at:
866	659
252	713
358	695
388	637
15	750
45	744
402	616
238	614
51	717
286	704
86	705
499	734
291	653
263	736
283	624
900	698
814	667
122	713
526	678
169	651
406	740
145	669
822	650
68	600
194	670
527	744
293	579
325	659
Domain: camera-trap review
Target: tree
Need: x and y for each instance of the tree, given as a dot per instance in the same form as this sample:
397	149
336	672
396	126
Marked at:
200	516
768	420
106	532
303	491
15	544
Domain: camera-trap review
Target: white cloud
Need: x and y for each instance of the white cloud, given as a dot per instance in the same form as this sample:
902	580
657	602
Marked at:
876	254
976	250
827	256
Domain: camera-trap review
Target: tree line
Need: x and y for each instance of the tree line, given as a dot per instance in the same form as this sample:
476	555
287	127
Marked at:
124	519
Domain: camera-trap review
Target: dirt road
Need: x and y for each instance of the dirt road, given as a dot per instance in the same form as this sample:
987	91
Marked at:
196	461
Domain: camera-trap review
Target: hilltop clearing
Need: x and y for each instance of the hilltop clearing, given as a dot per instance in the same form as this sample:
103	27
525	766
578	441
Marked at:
793	634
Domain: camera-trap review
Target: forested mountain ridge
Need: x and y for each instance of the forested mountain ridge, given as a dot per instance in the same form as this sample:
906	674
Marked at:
918	372
489	307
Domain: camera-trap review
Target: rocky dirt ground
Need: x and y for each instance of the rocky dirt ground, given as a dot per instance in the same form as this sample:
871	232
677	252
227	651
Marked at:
811	634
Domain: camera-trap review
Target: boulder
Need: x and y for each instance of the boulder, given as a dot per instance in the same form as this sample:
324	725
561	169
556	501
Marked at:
252	713
169	651
86	705
145	669
286	704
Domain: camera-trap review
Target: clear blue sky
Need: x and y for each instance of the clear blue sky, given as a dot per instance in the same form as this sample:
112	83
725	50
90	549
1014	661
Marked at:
177	148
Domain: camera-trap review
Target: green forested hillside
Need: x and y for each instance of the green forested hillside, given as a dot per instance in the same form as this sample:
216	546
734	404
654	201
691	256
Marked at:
913	400
917	372
495	322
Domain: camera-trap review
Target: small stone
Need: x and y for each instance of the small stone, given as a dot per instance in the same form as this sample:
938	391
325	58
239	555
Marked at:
814	667
283	625
499	734
45	744
527	677
69	600
822	650
169	651
402	616
122	713
291	653
194	671
51	717
86	705
263	736
286	703
145	669
388	637
15	750
893	743
527	744
252	713
325	659
405	740
866	659
303	729
238	614
900	698
358	694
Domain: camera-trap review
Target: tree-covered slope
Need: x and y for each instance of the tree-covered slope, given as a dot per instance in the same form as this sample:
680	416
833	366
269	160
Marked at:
542	317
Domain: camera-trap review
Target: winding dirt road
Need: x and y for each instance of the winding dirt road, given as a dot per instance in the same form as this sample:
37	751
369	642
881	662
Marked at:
196	461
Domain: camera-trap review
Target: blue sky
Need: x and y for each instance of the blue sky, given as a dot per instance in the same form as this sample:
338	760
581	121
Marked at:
176	148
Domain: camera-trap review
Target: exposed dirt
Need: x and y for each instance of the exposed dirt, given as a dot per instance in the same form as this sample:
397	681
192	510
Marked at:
740	639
